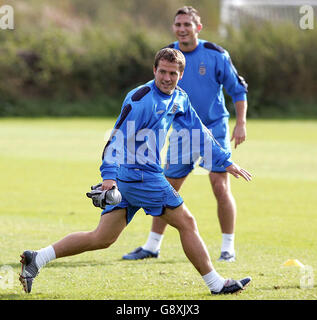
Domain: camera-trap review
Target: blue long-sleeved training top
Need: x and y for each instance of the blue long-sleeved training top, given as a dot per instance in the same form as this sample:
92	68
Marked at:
208	70
140	132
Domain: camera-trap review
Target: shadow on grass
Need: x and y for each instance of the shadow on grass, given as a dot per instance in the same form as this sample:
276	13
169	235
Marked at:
109	262
288	287
154	261
72	264
26	296
10	296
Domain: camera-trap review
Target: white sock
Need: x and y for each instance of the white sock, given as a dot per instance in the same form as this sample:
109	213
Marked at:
154	242
214	281
228	242
44	256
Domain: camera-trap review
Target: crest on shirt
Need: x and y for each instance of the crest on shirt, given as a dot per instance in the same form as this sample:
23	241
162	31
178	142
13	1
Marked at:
202	69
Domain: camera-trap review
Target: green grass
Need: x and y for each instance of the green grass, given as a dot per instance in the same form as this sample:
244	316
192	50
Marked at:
47	165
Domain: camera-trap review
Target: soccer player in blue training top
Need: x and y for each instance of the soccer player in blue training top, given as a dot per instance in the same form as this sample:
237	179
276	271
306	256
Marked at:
131	161
208	70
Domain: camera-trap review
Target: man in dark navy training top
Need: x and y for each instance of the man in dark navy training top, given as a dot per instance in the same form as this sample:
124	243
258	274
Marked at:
131	162
208	70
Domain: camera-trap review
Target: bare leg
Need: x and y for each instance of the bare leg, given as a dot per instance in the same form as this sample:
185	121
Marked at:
227	211
193	245
106	233
158	224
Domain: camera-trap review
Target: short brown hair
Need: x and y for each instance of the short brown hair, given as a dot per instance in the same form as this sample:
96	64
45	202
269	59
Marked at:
191	12
170	55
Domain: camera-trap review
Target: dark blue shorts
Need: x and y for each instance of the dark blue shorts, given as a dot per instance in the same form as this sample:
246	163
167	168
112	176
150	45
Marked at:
152	195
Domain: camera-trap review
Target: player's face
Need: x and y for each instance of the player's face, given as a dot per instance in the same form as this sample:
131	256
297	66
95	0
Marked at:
166	76
185	30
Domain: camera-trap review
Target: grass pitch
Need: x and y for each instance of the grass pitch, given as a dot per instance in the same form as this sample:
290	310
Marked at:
47	165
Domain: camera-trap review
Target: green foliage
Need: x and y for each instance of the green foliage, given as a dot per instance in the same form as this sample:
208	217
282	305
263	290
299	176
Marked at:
280	67
79	54
56	64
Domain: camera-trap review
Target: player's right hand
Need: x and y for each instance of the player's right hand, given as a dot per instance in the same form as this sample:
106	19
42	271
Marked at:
108	184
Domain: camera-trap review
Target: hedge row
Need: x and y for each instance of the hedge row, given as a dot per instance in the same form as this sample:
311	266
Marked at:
280	65
55	72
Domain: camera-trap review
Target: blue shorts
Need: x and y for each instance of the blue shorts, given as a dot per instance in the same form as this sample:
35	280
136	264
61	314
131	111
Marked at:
152	192
220	130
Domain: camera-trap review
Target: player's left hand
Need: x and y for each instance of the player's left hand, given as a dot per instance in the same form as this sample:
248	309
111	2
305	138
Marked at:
239	134
236	171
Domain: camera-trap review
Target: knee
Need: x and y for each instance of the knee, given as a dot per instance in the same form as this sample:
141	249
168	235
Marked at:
102	241
180	218
106	244
221	189
188	223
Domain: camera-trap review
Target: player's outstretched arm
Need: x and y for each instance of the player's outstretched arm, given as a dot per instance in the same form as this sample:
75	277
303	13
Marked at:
236	171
